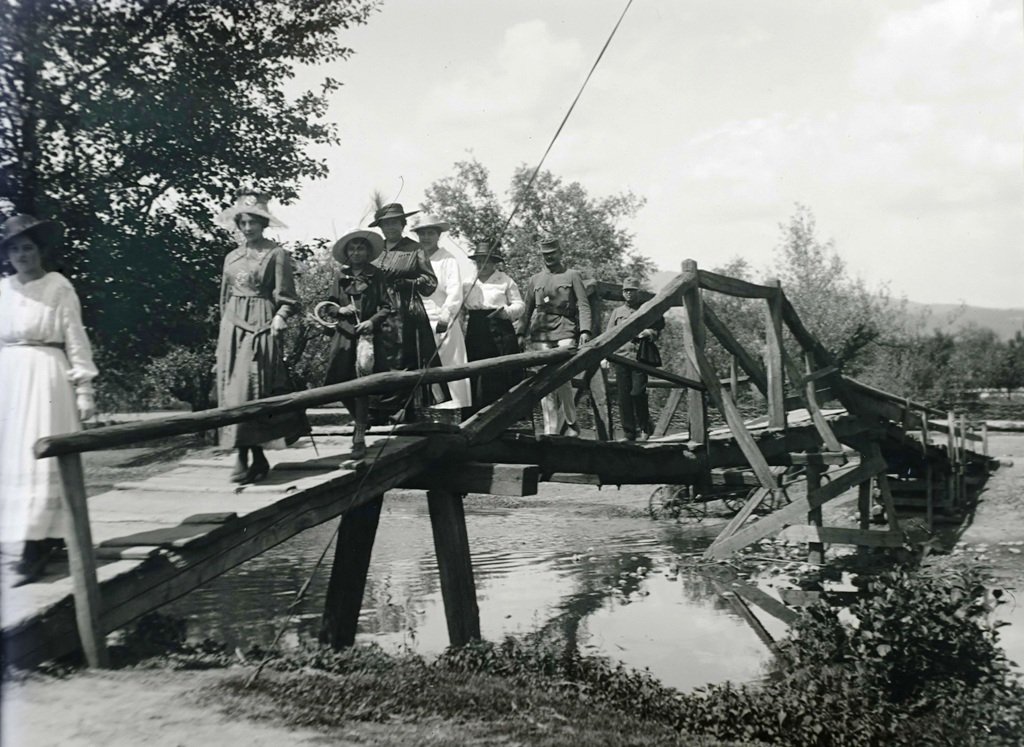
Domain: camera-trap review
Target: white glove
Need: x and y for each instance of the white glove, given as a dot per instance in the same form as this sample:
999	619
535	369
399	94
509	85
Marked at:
86	406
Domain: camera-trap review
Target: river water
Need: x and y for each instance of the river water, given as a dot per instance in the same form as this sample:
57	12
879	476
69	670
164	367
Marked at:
573	563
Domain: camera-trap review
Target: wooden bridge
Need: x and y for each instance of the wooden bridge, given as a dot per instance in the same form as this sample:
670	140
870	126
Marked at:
143	544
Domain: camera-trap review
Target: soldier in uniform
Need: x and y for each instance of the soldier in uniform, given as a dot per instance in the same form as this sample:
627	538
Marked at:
630	384
556	315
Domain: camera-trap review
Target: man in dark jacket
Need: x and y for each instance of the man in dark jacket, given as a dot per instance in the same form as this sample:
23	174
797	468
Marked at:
630	384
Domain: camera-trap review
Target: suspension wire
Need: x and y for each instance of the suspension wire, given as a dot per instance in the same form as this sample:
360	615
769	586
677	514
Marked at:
300	595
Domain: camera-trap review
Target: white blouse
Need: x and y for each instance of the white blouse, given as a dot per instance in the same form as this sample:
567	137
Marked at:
47	310
498	291
444	303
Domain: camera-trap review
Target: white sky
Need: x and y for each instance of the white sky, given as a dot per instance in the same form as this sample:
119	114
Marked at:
898	122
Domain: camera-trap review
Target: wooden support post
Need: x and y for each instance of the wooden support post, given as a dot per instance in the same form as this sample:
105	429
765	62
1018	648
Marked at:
815	550
734	377
963	456
345	588
929	497
864	511
451	545
82	560
668	412
984	438
694	335
952	453
773	360
811	398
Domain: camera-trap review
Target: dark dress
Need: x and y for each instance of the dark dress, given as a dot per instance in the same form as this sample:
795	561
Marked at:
407	341
255	286
489	336
368	293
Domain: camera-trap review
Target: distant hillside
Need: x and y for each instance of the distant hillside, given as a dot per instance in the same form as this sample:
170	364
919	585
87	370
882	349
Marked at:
944	317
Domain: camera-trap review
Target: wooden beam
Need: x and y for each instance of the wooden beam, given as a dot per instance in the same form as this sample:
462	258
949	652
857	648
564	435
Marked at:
193	422
811	400
740	518
773	359
734	286
745	360
795	512
815	550
842	536
82	561
657	372
668	412
478	477
727	406
345	589
694	338
492	420
454	565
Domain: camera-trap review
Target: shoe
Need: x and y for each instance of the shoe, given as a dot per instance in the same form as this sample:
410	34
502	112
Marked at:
31	568
572	430
358	450
643	437
258	470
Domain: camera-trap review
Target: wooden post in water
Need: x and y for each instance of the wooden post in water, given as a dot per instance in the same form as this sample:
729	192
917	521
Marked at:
454	565
815	550
696	401
82	560
348	574
864	512
773	362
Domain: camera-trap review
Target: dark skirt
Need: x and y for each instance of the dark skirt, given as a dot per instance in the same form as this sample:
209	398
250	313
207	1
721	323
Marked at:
489	337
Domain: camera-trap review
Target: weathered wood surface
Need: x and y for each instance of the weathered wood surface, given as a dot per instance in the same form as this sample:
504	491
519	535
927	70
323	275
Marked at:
743	358
657	373
478	477
455	566
694	338
735	287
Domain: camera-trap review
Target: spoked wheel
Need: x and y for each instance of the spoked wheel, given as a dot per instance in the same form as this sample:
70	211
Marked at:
734	501
668	501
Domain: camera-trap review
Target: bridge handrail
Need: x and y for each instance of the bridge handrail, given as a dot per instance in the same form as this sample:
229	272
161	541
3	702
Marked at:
110	436
734	286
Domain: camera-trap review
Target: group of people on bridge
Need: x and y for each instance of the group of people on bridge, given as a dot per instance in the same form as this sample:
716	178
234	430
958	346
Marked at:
395	304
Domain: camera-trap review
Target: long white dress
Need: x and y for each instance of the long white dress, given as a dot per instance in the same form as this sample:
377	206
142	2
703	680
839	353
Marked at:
444	305
45	357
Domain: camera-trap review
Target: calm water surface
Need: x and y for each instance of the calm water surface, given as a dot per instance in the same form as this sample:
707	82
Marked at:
596	571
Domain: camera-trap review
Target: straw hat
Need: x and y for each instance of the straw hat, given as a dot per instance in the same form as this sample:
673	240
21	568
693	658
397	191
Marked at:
46	233
429	221
391	210
340	248
251	202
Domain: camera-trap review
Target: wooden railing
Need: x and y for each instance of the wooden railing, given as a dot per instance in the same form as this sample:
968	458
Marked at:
698	382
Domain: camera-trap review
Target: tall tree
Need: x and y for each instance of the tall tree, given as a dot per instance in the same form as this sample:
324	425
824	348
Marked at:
133	120
590	228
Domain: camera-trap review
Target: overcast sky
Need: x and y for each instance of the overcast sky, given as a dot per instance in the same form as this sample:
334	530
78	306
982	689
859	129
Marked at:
899	123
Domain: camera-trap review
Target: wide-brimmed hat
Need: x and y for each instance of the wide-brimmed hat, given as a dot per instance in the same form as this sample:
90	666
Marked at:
391	210
248	201
484	249
549	244
47	233
340	248
426	221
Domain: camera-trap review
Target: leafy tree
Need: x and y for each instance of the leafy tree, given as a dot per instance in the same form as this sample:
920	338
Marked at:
847	317
134	120
1010	372
593	239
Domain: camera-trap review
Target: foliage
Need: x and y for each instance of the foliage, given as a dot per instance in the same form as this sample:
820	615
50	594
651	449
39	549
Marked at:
133	122
589	228
182	374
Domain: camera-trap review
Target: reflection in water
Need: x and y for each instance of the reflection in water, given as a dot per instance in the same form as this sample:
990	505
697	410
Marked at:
610	585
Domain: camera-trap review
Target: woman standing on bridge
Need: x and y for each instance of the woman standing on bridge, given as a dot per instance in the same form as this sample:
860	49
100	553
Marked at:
46	373
257	298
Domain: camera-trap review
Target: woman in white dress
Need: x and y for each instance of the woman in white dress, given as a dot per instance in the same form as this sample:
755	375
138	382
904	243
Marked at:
443	306
493	306
46	373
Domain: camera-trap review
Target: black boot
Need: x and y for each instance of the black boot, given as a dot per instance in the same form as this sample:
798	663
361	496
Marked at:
34	558
259	468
